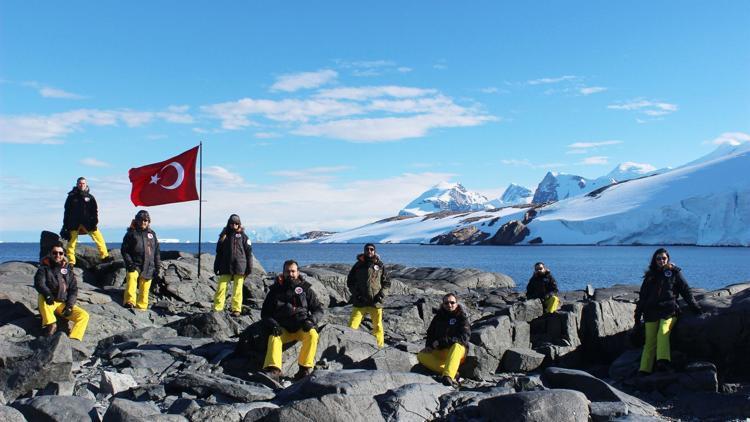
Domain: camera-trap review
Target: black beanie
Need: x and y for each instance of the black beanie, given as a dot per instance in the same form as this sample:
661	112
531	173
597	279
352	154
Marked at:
142	215
234	218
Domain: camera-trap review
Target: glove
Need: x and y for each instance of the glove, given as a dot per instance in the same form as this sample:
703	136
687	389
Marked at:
49	300
435	344
67	311
64	233
130	268
307	325
379	297
274	327
637	318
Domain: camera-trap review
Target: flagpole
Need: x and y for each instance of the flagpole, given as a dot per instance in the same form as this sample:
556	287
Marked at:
200	204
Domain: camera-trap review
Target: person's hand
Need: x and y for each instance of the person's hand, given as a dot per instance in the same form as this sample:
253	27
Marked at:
273	327
435	344
637	318
307	325
67	311
130	268
379	297
49	300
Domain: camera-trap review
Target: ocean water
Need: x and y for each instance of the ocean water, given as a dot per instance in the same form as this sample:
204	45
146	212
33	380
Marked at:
572	266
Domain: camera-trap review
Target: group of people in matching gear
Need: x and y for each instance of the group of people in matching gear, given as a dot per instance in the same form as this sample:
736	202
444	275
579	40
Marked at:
291	311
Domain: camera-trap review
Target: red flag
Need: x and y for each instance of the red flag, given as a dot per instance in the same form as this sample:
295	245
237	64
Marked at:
169	181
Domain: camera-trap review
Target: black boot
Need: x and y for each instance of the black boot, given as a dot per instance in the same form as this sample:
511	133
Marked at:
303	372
663	365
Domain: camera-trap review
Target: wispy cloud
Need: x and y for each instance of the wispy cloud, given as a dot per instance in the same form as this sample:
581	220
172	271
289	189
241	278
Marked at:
310	173
650	108
222	175
366	92
234	114
404	69
369	68
50	92
528	163
731	138
595	161
546	81
588	90
304	80
267	135
52	128
584	147
93	162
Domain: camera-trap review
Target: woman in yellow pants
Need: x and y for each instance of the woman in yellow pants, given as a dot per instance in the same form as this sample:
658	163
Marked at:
234	261
447	339
657	305
543	286
140	251
58	292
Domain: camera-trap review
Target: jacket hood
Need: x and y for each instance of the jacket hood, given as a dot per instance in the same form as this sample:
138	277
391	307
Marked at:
363	258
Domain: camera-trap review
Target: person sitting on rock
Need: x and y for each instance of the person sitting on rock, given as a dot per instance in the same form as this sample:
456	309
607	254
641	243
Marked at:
447	339
368	283
58	292
140	251
657	305
234	261
291	311
81	217
543	286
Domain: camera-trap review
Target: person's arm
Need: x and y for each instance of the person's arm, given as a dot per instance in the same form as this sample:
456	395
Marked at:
465	334
248	255
431	335
552	287
641	299
127	241
219	255
385	282
66	214
72	289
684	291
314	307
157	258
350	281
95	214
40	284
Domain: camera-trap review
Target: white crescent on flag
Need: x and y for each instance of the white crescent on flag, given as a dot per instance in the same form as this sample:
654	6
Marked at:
180	175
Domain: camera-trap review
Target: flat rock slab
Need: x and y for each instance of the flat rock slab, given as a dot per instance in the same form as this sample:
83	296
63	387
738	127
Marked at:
51	361
522	360
412	402
206	384
329	408
537	406
58	409
121	410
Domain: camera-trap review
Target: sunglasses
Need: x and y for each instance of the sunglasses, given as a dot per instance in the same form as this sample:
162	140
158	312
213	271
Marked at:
55	253
662	258
370	249
449	302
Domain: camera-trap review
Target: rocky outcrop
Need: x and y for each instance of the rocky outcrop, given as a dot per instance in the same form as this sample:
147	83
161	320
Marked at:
468	235
510	233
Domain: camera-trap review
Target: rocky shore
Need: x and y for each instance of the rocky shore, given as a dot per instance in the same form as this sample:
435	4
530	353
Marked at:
179	361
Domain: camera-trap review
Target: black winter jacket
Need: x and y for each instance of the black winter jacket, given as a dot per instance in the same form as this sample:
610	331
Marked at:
140	251
56	281
659	292
290	302
541	286
234	254
448	328
368	282
80	209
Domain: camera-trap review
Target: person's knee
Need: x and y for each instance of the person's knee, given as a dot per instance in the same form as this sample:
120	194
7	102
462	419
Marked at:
313	334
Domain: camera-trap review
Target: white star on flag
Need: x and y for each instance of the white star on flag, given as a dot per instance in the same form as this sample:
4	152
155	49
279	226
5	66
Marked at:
155	179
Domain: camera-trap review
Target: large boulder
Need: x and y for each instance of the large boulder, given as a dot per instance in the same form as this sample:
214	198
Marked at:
412	402
329	407
58	409
51	361
121	410
537	406
205	384
606	325
521	360
9	414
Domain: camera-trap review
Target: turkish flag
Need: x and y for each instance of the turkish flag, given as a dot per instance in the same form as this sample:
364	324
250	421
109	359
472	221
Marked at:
169	181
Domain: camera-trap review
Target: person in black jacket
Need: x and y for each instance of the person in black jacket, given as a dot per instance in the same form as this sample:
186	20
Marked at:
82	217
234	261
291	311
447	339
140	251
58	291
368	283
657	305
543	286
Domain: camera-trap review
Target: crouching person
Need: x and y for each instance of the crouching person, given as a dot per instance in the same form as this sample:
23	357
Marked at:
58	291
291	311
447	339
543	286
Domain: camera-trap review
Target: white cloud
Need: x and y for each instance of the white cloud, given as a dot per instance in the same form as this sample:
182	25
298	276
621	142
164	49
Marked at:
93	162
45	129
367	92
490	90
584	145
527	163
234	114
648	107
404	69
731	138
595	161
588	90
545	81
267	135
310	173
304	80
50	92
223	175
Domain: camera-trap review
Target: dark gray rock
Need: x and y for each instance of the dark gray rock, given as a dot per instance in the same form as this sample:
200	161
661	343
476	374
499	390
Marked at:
595	389
521	360
51	362
537	406
330	407
714	406
606	325
57	409
113	382
258	410
204	384
412	402
607	410
9	414
390	359
121	410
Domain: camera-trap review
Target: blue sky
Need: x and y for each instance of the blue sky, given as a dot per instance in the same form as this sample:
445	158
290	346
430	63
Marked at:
329	115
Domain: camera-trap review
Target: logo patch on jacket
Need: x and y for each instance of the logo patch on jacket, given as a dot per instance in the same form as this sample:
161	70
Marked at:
237	235
668	273
298	290
64	271
452	321
376	267
150	236
87	199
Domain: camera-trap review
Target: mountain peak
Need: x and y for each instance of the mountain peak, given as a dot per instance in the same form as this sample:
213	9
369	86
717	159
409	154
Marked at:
445	196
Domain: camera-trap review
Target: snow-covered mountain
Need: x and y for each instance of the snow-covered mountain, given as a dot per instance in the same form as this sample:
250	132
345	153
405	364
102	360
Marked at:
445	197
706	202
558	186
514	195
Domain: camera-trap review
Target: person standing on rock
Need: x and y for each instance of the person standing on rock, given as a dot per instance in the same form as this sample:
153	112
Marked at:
140	251
657	305
447	339
543	286
82	217
234	261
291	311
368	283
58	292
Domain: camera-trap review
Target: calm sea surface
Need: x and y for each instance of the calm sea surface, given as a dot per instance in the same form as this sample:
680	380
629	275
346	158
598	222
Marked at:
573	266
